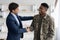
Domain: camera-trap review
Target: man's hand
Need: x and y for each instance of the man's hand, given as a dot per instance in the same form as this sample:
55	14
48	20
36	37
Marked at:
28	29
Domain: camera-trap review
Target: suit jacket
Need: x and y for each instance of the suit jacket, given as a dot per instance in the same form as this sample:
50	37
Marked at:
47	27
15	31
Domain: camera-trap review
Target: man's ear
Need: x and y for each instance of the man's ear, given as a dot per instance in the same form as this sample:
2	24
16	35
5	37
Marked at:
12	10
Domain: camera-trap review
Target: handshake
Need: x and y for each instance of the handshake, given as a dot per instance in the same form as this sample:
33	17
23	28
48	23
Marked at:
28	29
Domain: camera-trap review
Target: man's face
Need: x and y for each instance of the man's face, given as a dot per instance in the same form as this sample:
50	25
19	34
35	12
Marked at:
42	10
16	10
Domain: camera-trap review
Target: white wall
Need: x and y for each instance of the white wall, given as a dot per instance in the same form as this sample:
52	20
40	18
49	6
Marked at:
27	1
33	2
58	28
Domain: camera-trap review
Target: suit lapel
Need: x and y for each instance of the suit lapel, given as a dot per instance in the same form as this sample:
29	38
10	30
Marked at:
13	18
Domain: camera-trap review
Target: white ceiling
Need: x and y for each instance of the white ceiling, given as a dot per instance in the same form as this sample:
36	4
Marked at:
37	2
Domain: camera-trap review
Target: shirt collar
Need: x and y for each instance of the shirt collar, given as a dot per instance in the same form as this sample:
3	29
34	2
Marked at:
45	16
13	14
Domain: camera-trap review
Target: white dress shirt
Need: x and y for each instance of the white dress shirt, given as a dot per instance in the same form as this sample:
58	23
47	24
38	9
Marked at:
15	18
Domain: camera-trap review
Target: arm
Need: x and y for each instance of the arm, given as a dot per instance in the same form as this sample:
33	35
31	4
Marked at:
13	27
32	25
51	30
26	18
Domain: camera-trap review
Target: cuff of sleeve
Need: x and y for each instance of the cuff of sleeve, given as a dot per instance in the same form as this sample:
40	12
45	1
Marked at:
24	29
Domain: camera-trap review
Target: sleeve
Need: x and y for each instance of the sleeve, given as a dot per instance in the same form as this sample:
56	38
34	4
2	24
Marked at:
51	29
26	18
32	25
13	27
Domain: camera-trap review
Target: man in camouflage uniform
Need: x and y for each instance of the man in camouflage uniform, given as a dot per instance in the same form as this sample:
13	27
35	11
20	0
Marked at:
42	24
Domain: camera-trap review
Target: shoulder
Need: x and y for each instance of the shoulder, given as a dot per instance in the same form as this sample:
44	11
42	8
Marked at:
51	19
9	17
36	16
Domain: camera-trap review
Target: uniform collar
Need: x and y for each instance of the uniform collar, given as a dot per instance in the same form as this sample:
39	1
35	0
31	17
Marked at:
45	16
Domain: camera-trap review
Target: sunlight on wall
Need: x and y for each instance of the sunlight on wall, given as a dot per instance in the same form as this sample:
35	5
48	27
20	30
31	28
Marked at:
56	18
55	14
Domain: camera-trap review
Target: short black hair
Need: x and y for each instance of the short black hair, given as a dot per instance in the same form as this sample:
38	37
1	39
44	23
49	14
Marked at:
45	5
12	6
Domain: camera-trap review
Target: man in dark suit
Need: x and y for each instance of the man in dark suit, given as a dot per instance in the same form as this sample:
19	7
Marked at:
14	24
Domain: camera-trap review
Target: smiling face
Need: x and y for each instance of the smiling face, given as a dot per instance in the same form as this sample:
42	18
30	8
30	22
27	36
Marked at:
42	10
16	10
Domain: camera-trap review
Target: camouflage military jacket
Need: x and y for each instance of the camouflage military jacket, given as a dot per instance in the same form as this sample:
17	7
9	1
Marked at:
47	27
